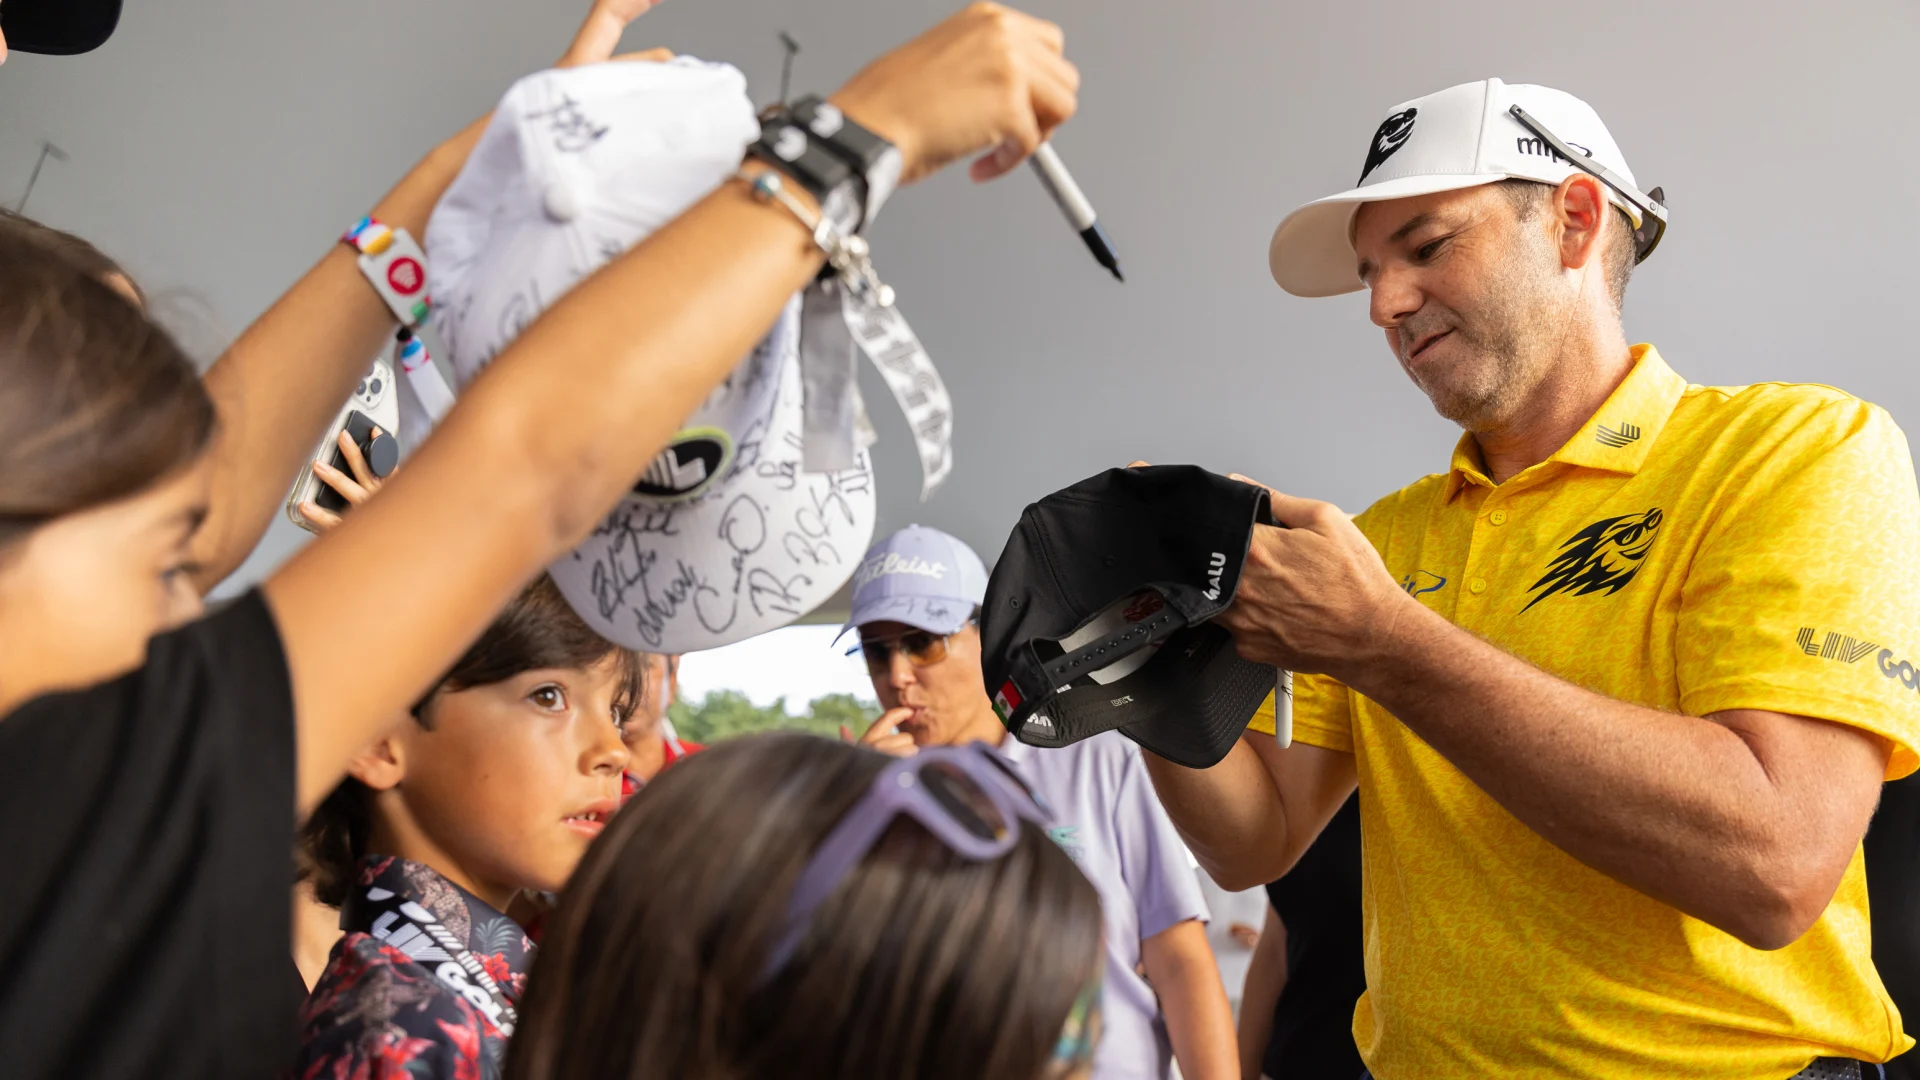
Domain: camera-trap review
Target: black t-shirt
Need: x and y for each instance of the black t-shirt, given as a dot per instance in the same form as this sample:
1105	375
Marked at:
1893	895
1319	903
146	833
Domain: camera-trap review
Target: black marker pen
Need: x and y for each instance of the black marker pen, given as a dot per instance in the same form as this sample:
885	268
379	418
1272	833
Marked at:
1059	183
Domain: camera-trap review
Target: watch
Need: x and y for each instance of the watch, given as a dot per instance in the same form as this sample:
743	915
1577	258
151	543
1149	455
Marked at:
872	157
840	191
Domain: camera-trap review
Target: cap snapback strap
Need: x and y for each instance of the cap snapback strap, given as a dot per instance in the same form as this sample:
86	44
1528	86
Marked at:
1094	655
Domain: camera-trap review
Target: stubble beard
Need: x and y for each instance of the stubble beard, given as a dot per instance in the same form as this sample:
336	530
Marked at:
1509	345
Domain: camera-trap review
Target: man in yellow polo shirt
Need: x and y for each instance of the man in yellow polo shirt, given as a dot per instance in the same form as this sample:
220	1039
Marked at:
1618	688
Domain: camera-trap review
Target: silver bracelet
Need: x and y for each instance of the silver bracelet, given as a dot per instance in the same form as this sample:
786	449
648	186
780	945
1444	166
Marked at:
848	254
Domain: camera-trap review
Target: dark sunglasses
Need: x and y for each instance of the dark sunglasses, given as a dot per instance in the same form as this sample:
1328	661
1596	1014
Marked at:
1652	205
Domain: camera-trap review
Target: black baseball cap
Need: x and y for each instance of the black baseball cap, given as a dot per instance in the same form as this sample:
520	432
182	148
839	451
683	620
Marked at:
1098	614
58	27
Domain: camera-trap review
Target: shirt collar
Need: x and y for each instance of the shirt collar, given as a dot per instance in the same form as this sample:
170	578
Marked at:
1616	438
500	944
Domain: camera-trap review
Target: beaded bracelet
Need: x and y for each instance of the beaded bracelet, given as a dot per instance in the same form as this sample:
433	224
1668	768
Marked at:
395	266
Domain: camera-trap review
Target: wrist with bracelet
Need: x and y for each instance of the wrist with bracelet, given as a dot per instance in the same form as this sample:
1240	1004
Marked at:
850	172
848	256
395	266
813	147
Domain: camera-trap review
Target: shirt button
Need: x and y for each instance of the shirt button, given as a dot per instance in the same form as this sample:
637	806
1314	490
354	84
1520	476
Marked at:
1477	586
1498	517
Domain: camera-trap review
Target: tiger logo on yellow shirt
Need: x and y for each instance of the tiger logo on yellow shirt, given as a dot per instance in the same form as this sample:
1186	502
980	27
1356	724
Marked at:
1604	555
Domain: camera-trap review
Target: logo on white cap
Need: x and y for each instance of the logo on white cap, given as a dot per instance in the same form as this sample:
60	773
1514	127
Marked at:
1391	136
688	466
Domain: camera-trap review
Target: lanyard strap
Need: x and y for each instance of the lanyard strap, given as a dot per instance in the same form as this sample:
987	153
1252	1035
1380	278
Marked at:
838	322
401	922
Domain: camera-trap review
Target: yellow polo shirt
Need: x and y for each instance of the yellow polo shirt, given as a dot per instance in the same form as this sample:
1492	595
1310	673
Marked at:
1692	549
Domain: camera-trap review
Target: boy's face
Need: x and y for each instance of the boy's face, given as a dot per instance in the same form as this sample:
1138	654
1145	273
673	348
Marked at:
514	779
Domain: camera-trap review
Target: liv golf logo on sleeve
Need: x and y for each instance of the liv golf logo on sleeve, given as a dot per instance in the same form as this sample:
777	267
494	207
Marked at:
1834	646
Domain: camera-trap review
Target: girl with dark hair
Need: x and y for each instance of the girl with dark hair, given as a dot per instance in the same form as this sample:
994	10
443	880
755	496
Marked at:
784	905
504	774
154	761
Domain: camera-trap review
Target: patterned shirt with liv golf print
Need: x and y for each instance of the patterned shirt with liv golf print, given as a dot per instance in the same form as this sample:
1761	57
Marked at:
392	1004
1692	549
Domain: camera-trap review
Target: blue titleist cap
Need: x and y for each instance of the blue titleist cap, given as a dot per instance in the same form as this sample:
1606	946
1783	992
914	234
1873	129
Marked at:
921	577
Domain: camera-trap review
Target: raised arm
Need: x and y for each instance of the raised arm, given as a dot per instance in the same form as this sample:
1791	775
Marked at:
549	436
280	384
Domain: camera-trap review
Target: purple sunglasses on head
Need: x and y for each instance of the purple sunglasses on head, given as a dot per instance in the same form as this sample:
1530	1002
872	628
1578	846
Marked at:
969	798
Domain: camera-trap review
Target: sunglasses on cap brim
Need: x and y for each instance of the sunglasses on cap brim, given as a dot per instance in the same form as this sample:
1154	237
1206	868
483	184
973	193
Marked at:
968	797
1652	205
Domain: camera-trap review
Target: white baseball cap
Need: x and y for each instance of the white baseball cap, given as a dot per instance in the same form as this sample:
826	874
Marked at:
1461	137
725	535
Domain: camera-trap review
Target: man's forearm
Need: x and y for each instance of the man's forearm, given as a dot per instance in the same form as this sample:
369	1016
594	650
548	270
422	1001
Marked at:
1181	967
1683	809
283	381
1249	818
1230	816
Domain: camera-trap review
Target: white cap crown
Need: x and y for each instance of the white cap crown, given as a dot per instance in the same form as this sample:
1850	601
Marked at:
1460	137
725	534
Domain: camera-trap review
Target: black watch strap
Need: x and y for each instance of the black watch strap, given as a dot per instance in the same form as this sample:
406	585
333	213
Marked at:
876	160
834	183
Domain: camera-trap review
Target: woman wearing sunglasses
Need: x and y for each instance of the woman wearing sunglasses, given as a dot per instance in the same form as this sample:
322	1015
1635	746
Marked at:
916	600
784	905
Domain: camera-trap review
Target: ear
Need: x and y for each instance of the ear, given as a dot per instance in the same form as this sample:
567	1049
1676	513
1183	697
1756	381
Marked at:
382	763
1580	209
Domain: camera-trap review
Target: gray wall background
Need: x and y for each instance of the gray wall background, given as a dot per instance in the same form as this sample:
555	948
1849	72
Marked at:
216	147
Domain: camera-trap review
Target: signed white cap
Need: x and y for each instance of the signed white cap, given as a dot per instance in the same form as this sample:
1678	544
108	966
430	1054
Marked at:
1461	137
725	535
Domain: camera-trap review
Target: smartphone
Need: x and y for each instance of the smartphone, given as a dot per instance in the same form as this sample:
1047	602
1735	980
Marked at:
375	403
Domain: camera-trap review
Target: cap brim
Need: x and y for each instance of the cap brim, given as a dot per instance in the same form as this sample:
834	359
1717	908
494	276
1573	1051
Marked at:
935	615
1312	250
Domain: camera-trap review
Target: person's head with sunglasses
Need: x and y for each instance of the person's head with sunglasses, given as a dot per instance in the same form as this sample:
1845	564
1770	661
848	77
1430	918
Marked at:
916	603
783	905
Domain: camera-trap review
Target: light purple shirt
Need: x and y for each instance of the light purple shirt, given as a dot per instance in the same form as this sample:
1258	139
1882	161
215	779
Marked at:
1109	820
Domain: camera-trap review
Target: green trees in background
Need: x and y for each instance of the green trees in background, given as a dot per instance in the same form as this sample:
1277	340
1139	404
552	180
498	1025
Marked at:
722	714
